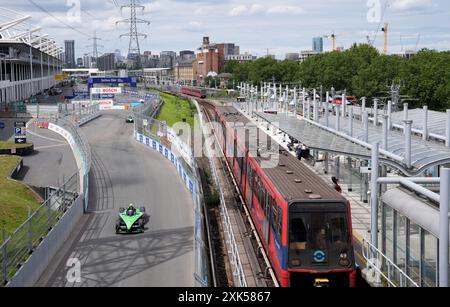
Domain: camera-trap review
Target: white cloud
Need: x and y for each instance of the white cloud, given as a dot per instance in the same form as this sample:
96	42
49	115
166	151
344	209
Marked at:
256	9
412	5
238	10
285	9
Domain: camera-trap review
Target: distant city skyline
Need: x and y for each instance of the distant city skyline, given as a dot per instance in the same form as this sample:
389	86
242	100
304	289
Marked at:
285	26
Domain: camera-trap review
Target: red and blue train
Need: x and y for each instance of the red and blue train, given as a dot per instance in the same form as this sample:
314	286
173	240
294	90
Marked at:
304	224
195	92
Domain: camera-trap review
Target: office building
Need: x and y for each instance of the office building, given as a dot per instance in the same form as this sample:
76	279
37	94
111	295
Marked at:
317	44
69	61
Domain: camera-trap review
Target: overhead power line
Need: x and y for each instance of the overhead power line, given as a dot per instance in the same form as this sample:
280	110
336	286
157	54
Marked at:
58	19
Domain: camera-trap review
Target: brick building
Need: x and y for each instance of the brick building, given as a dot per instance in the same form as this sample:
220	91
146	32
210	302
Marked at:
208	61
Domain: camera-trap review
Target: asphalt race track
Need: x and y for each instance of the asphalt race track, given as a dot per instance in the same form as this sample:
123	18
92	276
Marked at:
124	172
52	163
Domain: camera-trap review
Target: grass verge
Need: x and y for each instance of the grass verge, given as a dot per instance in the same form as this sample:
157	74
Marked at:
176	110
9	145
15	197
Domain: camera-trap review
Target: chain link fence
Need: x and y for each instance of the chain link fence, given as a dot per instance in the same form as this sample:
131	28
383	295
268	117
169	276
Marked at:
17	247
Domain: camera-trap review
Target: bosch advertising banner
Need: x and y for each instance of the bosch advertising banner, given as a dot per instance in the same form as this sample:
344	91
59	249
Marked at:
106	104
106	90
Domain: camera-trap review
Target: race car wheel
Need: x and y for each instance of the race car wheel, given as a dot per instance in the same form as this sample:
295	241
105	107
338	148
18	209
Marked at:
142	209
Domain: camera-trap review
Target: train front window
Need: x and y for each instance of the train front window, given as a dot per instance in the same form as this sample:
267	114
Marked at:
318	238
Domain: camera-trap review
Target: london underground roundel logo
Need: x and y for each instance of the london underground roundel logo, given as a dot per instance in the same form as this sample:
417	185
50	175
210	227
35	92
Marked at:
319	256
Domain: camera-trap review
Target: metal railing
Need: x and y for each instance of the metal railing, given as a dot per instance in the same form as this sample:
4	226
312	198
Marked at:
17	247
382	270
77	112
80	148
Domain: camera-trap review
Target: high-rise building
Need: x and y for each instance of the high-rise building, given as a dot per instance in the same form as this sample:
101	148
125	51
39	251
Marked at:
318	44
167	59
107	61
79	62
69	61
86	61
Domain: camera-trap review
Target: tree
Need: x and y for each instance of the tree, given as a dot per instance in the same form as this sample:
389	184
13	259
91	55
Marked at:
361	71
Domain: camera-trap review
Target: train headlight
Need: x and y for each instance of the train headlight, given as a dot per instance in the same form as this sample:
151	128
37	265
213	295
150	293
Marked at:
343	259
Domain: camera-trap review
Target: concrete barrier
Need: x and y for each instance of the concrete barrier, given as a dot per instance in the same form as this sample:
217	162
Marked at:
37	263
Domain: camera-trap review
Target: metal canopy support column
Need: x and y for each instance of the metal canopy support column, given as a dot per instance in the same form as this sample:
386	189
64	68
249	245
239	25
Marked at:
447	130
374	195
366	126
405	116
350	179
337	162
443	228
389	114
338	120
327	123
350	122
385	132
425	123
408	126
363	109
375	112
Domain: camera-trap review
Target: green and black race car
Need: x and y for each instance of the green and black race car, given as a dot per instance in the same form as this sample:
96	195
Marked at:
131	220
130	119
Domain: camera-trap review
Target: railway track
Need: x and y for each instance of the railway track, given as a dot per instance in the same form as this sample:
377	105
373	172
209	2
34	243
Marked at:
263	273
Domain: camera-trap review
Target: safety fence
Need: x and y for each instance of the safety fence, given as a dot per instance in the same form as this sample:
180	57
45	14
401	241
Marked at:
154	135
78	112
81	149
383	271
17	247
26	253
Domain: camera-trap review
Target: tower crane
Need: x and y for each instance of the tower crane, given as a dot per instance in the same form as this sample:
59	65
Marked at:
333	36
385	30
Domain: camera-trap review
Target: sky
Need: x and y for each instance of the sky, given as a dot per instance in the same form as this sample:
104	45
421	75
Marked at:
257	26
